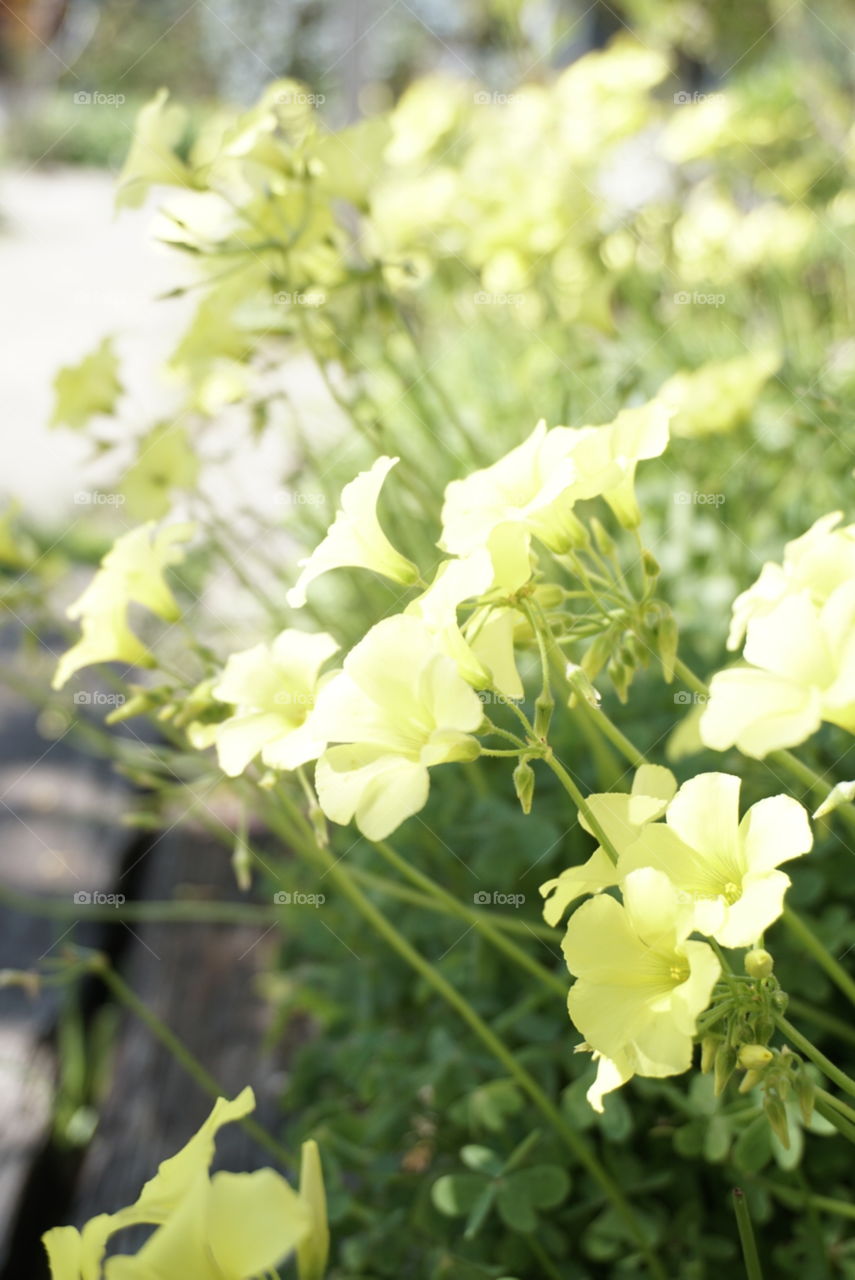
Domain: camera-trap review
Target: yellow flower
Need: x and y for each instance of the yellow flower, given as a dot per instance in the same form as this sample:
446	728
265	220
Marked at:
640	984
719	395
398	707
725	869
152	159
483	647
225	1227
273	688
132	571
355	538
622	817
165	461
88	388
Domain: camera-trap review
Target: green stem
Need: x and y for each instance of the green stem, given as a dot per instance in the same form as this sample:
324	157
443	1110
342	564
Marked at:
170	1041
819	1059
838	1104
821	955
836	1118
581	803
484	927
753	1270
796	1199
827	1021
573	1140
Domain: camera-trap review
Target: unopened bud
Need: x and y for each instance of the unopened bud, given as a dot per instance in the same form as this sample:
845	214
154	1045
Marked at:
750	1081
725	1065
806	1095
753	1057
776	1114
581	684
709	1048
603	539
649	565
758	963
524	785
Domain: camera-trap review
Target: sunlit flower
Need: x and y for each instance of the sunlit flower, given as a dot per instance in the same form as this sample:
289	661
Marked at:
153	159
86	389
483	646
530	492
355	538
273	688
801	672
398	707
621	816
719	395
226	1227
726	869
132	572
641	985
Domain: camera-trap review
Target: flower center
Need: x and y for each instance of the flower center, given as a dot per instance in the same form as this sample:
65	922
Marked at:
678	973
731	892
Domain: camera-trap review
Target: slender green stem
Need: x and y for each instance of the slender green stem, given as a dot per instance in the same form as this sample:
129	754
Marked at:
821	955
819	1059
797	1199
170	1041
836	1118
827	1021
753	1270
838	1104
484	927
581	804
573	1140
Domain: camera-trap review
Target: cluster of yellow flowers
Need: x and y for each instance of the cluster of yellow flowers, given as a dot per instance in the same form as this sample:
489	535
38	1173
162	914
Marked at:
225	1226
641	984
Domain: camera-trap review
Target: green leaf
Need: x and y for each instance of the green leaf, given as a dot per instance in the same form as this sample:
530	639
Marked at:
516	1211
753	1148
543	1185
455	1194
482	1159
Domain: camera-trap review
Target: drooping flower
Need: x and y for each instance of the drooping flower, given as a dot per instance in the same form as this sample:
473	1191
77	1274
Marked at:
606	457
132	572
273	688
640	984
398	707
483	647
355	538
726	869
719	395
225	1227
621	816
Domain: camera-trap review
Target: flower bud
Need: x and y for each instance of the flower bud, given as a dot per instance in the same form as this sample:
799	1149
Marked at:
709	1048
753	1057
806	1095
776	1114
725	1064
524	785
750	1081
758	963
